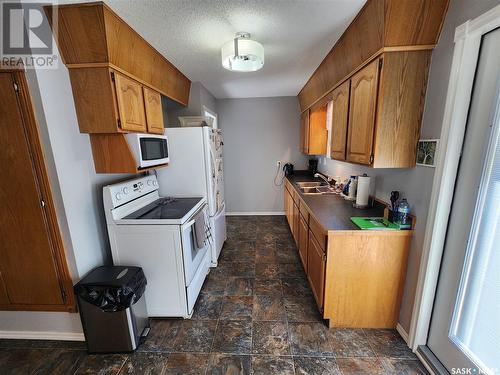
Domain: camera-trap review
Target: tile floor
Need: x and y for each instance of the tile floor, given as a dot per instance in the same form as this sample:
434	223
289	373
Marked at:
256	315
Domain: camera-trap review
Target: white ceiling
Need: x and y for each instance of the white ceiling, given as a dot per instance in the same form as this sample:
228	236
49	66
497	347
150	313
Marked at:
296	35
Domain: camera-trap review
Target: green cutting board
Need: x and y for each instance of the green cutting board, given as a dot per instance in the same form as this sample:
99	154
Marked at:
374	223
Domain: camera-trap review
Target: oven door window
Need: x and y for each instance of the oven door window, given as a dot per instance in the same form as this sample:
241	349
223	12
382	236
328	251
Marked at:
153	148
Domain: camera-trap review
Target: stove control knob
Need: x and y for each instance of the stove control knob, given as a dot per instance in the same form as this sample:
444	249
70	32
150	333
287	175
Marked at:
150	182
155	183
118	196
126	190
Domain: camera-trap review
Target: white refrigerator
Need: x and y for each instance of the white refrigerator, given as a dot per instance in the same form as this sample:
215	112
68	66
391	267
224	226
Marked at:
196	169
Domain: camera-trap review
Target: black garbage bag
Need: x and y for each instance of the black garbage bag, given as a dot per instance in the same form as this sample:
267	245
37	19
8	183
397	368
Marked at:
112	288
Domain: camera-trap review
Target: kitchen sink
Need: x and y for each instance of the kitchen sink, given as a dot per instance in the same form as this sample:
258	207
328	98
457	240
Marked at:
308	184
321	189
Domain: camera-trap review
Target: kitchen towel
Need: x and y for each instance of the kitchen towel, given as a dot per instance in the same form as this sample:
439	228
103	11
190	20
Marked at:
199	229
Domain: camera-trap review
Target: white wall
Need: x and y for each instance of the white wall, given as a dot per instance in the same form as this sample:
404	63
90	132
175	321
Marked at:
416	183
257	133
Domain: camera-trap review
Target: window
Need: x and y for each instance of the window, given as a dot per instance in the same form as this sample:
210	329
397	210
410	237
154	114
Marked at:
476	322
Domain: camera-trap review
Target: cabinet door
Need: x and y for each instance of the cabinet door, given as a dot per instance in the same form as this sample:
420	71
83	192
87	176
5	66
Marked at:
296	219
130	103
362	110
154	113
303	241
289	212
316	264
318	134
287	207
304	132
340	117
28	271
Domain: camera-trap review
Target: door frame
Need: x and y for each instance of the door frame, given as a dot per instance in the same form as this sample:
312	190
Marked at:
31	131
468	37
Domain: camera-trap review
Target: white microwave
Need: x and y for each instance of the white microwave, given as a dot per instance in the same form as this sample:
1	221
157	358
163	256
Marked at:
148	149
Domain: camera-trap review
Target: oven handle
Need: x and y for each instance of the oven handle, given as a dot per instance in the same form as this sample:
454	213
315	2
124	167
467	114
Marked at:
191	222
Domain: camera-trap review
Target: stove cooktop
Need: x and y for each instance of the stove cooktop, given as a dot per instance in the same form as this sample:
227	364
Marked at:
165	208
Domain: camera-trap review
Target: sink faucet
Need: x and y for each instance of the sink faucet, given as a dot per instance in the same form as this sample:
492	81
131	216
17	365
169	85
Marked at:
326	179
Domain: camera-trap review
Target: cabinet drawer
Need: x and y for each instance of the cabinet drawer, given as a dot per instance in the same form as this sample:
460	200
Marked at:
318	232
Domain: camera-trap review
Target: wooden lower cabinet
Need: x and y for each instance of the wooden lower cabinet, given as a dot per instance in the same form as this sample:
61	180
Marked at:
288	205
357	277
303	241
316	264
296	221
365	278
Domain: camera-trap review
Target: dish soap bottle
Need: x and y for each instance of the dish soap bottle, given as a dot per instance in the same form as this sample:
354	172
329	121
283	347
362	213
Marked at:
403	212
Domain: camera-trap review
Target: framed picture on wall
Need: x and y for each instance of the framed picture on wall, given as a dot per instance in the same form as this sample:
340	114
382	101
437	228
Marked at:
427	152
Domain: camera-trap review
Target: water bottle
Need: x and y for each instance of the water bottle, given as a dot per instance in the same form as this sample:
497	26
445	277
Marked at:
403	212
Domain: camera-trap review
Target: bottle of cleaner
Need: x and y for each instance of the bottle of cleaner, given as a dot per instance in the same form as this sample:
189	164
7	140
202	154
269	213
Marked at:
352	188
403	212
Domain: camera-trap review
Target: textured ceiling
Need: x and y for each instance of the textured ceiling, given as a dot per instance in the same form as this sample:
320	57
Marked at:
296	35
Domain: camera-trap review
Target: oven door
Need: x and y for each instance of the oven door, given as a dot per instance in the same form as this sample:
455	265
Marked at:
192	256
153	151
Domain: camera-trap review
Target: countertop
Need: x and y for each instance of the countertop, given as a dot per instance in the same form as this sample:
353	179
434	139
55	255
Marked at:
331	210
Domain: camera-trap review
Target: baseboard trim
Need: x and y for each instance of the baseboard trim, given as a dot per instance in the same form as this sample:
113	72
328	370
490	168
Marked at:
255	213
41	335
402	332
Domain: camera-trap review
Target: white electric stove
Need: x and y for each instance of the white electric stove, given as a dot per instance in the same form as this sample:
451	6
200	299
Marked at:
156	233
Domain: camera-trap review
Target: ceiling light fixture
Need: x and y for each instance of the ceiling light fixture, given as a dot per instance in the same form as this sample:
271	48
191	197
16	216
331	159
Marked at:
242	54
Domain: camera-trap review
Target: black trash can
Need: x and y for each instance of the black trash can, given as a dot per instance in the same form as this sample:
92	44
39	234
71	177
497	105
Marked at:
113	308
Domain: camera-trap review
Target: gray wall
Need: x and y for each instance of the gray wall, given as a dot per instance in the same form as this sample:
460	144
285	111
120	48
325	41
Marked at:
199	96
77	194
416	184
257	133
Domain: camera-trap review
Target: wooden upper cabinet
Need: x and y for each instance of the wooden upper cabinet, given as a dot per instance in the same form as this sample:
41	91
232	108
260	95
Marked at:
154	113
400	106
130	100
313	131
304	132
340	117
362	111
91	34
380	26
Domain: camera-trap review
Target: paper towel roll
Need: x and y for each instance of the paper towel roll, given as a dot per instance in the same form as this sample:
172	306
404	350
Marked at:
363	191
